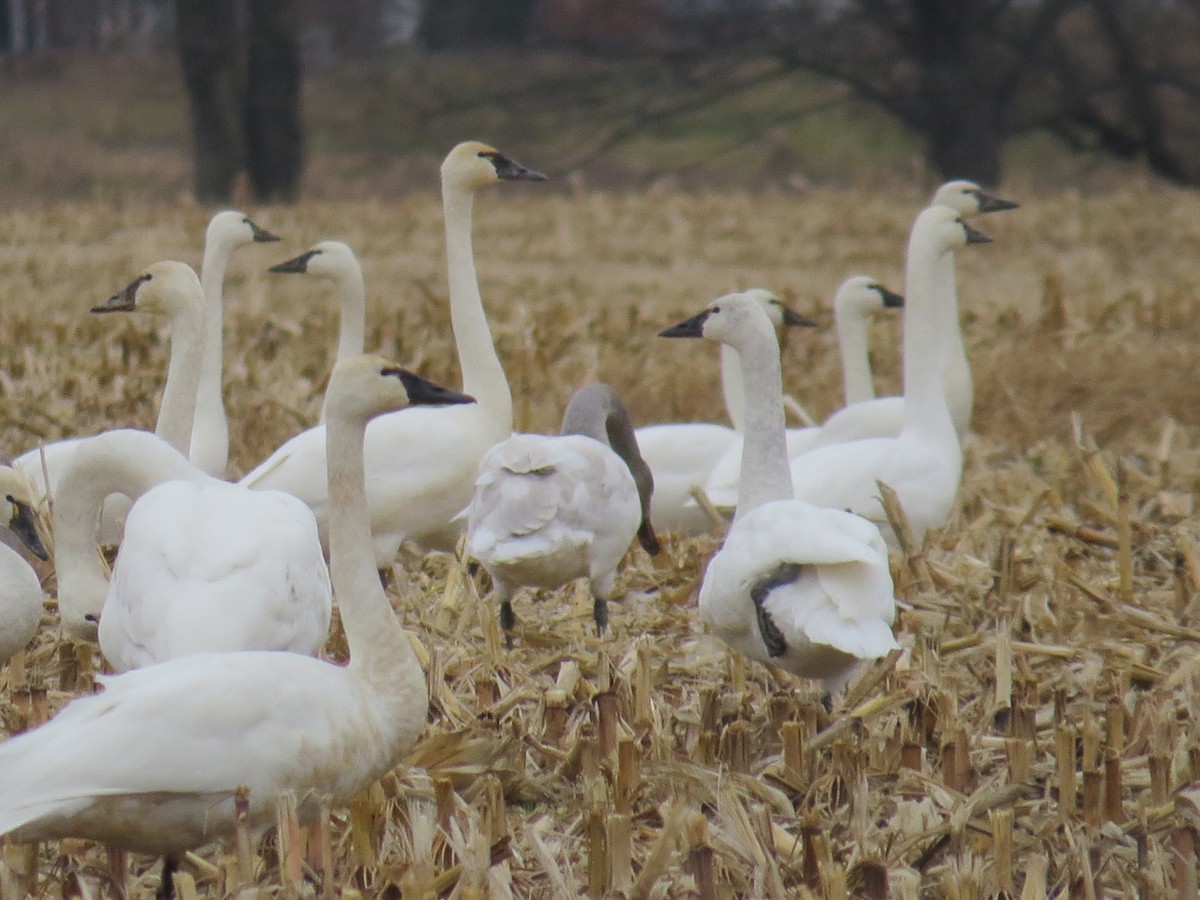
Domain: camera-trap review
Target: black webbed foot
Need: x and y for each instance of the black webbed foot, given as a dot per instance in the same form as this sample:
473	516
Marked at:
166	885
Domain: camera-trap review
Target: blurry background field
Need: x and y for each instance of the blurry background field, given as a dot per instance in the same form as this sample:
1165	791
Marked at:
1045	708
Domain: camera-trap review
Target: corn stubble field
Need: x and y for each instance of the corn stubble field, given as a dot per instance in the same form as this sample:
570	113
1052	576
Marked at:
1038	735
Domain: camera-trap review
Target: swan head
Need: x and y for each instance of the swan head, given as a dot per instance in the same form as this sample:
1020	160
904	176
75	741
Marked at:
328	259
164	287
969	199
946	227
231	229
471	165
16	510
362	387
779	314
862	295
729	319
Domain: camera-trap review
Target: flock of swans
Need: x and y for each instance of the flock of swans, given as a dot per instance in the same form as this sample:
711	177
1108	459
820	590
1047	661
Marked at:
220	598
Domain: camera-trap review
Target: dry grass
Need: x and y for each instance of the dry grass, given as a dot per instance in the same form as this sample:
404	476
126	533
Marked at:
1038	732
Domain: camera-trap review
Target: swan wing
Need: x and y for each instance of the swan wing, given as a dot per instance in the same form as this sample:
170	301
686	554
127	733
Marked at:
212	567
879	417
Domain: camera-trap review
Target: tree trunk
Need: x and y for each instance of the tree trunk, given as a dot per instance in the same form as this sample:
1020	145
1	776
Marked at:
206	31
274	135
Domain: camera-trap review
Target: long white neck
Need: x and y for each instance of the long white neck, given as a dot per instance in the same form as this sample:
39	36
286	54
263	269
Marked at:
732	387
765	473
960	386
209	447
380	653
483	376
852	331
116	462
352	319
929	266
178	407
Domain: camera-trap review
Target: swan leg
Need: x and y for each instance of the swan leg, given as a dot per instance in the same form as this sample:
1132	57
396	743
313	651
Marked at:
772	637
603	587
166	885
508	618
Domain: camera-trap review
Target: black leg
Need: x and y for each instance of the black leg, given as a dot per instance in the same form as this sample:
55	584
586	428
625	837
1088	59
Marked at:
385	577
508	621
785	573
166	887
600	614
827	702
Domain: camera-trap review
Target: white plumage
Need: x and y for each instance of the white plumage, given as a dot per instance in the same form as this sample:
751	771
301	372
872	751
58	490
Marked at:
421	464
152	763
549	509
802	587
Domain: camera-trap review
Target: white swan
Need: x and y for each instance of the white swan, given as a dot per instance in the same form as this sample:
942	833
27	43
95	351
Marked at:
682	454
226	232
549	509
205	566
169	288
151	764
923	463
805	588
883	417
855	302
20	588
421	464
336	262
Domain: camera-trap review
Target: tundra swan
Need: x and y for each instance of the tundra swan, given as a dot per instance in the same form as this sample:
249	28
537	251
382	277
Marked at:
856	300
883	416
923	463
152	762
226	232
682	454
421	464
205	566
20	588
549	509
164	287
802	587
336	262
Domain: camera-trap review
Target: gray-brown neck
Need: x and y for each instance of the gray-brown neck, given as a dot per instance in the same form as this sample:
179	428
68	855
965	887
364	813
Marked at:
596	411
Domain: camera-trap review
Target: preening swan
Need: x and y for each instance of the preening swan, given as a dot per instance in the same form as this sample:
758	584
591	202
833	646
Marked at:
551	509
205	566
421	464
857	299
226	232
152	762
883	417
682	454
20	589
923	463
169	288
805	588
336	262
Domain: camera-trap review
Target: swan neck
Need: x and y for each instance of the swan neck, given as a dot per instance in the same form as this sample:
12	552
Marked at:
852	331
209	447
960	385
483	376
732	388
380	652
117	462
929	269
765	475
352	320
178	407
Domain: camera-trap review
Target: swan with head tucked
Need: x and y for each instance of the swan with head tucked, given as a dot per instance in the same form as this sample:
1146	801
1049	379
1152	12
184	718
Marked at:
169	288
152	762
227	230
205	566
805	588
20	588
335	261
884	416
682	454
421	464
550	509
856	301
923	463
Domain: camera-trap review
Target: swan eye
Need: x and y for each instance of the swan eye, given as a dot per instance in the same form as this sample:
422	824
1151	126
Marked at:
90	618
11	499
715	309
